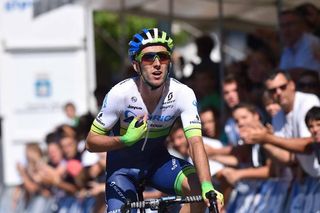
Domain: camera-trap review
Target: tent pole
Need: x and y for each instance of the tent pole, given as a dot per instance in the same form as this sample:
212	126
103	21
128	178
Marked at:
166	23
91	66
122	38
222	58
170	15
279	8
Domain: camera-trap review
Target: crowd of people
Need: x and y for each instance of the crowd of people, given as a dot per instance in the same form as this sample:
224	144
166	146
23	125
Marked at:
265	138
271	107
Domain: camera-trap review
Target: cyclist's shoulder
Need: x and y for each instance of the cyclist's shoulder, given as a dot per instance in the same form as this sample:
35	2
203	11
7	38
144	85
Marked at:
124	85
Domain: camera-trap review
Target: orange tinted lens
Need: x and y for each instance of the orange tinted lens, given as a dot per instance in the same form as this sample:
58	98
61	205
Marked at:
149	57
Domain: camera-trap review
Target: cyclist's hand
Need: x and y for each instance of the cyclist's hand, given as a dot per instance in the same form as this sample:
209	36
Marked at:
136	131
207	187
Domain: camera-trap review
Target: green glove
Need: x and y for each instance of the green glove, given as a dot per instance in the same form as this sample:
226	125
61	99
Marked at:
206	186
134	132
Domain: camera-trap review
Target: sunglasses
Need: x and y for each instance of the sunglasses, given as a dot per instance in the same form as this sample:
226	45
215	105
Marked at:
281	87
150	57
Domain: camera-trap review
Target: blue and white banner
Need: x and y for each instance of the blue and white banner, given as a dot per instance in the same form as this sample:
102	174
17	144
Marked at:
43	6
276	195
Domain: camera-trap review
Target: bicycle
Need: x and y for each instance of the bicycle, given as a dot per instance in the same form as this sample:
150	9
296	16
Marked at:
162	203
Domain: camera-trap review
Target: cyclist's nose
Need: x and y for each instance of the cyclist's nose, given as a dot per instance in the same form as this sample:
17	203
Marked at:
156	61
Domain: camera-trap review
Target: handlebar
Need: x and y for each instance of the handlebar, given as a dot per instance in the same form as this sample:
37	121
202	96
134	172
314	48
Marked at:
163	202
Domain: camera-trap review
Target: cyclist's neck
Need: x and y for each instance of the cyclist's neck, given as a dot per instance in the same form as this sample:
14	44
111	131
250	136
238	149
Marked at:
151	97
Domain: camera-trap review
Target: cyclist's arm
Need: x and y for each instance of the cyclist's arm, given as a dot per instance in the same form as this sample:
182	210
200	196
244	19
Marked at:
98	139
192	129
199	158
102	143
187	104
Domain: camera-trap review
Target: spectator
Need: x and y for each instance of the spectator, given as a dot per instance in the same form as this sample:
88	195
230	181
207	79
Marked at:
270	105
205	44
84	124
37	196
92	179
206	74
260	62
71	113
290	132
180	144
213	146
313	122
311	15
99	94
55	157
204	87
247	115
68	184
232	93
301	49
309	82
209	117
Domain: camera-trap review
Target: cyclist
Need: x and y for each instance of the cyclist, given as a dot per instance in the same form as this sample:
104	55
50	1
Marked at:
139	112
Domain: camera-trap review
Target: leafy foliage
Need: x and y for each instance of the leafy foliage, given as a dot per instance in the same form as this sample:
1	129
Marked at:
108	35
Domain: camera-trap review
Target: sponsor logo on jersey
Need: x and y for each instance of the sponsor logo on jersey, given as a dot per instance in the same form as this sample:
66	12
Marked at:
99	118
134	107
169	100
166	107
134	99
196	121
21	5
170	96
174	164
195	103
129	116
162	118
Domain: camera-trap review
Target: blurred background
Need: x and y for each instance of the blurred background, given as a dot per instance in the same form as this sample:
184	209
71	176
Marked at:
59	52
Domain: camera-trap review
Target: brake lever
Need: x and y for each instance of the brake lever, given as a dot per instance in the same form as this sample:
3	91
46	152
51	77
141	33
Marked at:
212	197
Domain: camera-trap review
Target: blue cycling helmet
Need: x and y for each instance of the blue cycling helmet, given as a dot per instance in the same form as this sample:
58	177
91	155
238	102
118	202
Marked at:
149	37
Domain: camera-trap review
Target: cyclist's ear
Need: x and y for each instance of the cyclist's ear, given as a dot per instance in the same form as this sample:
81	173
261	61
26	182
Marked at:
135	66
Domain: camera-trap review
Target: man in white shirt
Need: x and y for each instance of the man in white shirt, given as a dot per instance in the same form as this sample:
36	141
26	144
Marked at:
291	134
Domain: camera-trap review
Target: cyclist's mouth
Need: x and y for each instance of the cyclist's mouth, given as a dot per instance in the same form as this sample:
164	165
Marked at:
157	74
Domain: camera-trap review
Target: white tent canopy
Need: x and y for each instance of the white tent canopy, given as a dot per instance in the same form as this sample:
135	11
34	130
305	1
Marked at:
236	13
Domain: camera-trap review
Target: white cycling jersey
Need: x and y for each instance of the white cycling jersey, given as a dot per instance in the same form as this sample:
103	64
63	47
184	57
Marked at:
124	102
